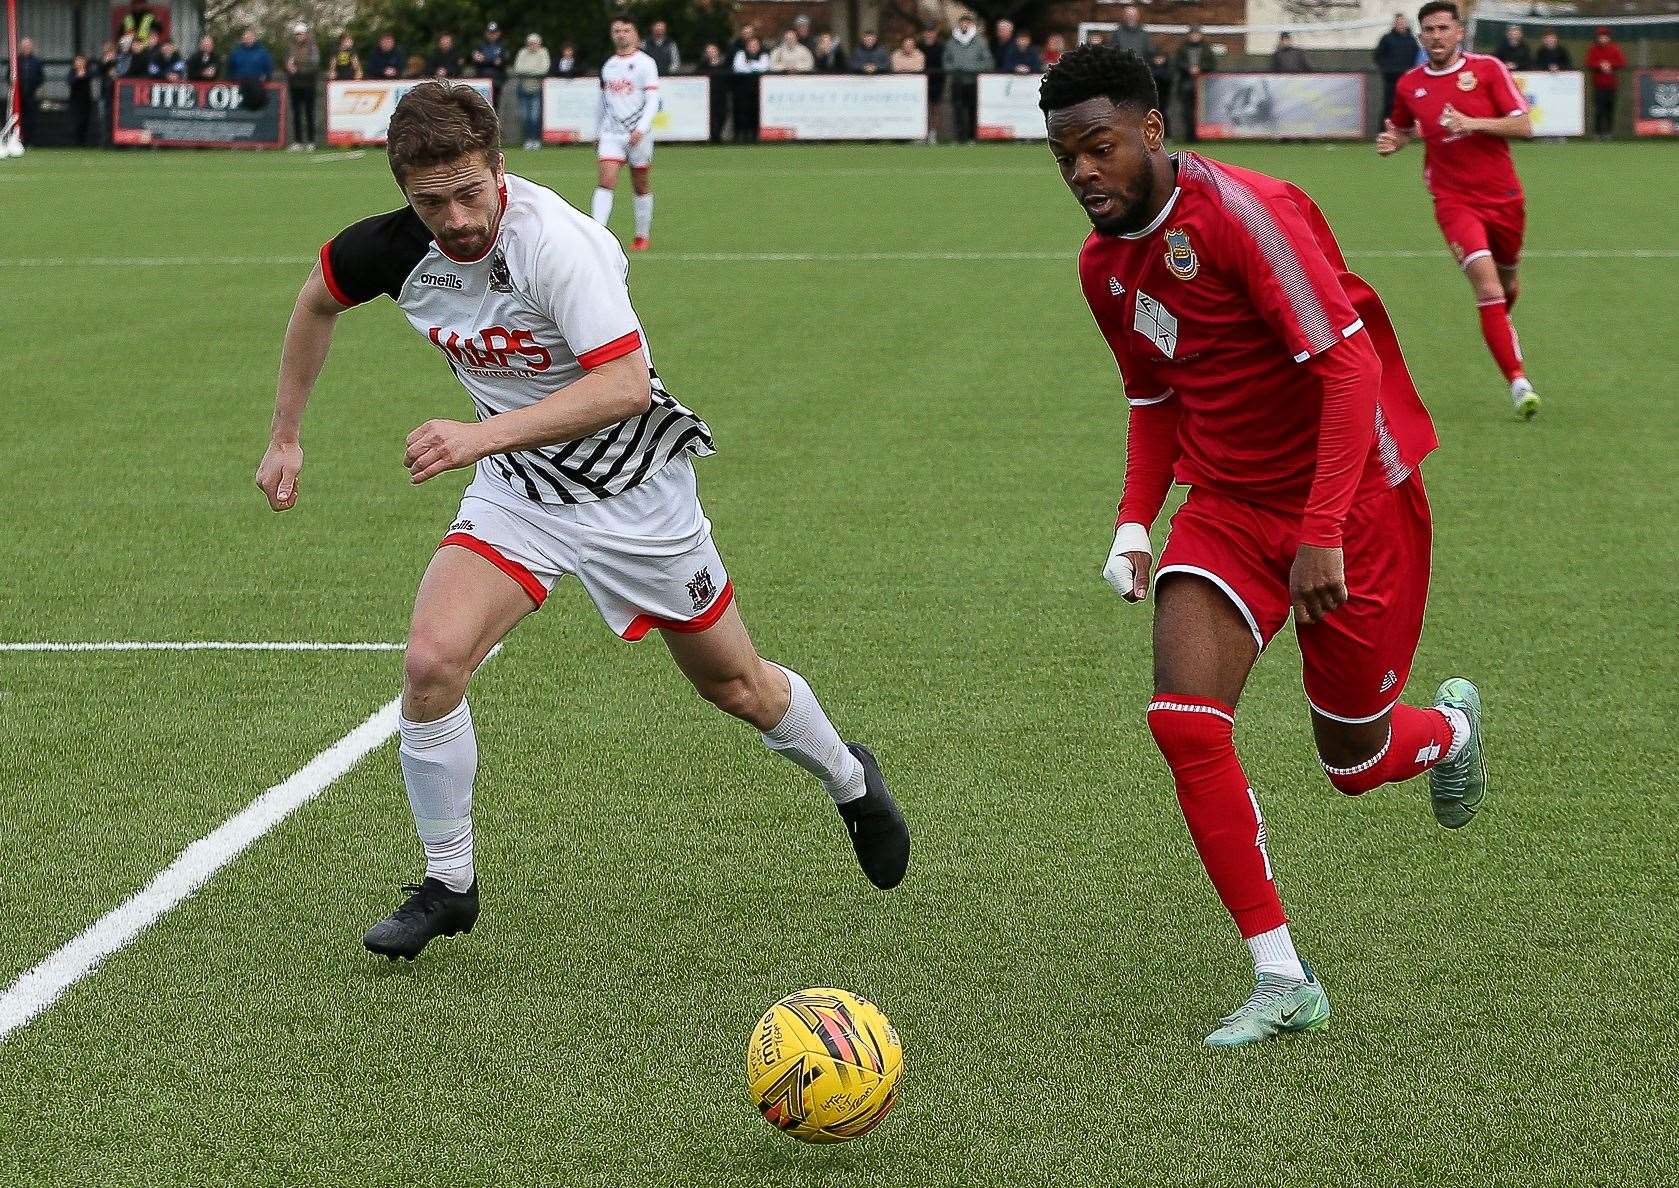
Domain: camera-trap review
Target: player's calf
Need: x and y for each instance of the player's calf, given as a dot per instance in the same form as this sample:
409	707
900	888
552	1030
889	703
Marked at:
1412	741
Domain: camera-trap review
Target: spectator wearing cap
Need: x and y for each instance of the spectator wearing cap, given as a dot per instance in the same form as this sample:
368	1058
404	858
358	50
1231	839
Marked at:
346	63
829	54
387	60
1020	56
870	56
908	58
529	69
1289	58
1604	62
303	75
789	57
1552	55
1131	35
1513	51
966	57
250	60
666	54
489	61
205	65
444	60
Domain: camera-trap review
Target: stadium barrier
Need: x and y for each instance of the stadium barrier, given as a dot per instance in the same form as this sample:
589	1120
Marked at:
1556	99
197	114
359	112
571	107
1657	110
1241	106
842	107
1008	108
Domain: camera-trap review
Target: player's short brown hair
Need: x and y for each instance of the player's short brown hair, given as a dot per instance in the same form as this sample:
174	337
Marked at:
1434	6
438	122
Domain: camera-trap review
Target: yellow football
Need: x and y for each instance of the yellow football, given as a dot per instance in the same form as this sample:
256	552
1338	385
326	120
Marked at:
823	1065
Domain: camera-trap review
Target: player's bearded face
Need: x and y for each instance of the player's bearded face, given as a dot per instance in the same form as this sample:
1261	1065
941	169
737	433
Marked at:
460	204
1440	36
1105	157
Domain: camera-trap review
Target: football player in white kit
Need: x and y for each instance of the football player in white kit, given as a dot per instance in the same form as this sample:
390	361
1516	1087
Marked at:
583	467
629	99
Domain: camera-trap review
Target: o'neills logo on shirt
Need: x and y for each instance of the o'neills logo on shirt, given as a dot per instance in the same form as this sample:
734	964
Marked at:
494	349
441	280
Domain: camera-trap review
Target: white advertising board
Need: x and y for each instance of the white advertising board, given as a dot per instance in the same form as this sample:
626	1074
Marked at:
570	107
842	107
1558	100
360	112
1008	107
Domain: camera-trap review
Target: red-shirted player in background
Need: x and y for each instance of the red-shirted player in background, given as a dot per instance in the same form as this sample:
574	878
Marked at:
1466	107
1266	377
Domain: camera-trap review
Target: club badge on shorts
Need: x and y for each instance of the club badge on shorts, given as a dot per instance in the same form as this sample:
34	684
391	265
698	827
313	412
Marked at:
1180	256
1467	81
702	589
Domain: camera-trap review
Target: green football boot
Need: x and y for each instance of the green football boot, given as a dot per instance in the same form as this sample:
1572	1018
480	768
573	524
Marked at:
1456	785
1277	1005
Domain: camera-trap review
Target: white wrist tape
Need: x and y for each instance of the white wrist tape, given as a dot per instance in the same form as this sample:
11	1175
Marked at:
1120	573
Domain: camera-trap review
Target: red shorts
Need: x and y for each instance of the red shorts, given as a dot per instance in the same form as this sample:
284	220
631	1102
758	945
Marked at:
1354	662
1483	229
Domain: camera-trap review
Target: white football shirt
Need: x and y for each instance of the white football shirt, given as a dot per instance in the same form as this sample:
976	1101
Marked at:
549	301
629	94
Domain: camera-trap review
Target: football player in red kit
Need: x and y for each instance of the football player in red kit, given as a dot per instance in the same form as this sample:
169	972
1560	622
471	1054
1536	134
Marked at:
1266	377
1465	108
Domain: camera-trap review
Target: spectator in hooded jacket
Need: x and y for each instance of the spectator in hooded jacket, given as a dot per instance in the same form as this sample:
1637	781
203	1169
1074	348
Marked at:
966	57
250	60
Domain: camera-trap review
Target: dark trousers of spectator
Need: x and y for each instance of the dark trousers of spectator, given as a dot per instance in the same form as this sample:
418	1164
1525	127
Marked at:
964	104
107	109
745	103
81	121
1603	111
1191	106
1164	88
303	115
26	112
1390	84
530	115
719	111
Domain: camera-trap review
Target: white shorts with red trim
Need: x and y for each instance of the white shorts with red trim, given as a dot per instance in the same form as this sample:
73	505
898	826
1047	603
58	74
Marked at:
615	146
645	557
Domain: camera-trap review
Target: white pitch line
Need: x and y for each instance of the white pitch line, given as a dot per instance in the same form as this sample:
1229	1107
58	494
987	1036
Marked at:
197	646
26	998
1065	256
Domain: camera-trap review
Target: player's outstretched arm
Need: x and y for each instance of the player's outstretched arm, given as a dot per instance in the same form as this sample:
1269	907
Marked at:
610	393
308	338
1518	126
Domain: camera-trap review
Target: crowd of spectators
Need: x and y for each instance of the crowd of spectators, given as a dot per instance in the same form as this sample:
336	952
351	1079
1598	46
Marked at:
952	62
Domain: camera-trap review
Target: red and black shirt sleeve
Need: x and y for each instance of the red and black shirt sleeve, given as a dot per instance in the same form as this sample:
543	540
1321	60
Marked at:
374	256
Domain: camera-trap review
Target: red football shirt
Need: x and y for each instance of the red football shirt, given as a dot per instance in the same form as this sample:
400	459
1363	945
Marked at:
1472	165
1217	305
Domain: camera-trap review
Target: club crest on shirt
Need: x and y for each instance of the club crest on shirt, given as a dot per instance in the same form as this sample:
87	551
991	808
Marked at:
1156	323
1421	93
500	279
1180	256
1466	81
702	590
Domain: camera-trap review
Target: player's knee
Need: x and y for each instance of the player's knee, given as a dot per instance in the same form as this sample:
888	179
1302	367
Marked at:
433	665
736	696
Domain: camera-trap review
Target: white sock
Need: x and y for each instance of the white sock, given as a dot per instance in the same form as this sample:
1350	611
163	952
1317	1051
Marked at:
805	736
1460	730
601	207
439	760
1273	953
643	215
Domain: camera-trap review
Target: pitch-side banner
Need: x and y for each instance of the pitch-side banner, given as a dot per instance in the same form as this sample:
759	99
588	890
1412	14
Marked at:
196	115
842	107
1292	106
571	106
1008	107
360	112
1557	99
1657	113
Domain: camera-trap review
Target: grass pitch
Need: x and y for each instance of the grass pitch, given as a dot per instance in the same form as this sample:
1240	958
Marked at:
918	461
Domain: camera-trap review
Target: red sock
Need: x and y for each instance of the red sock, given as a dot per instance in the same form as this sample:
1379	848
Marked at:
1500	334
1195	736
1417	740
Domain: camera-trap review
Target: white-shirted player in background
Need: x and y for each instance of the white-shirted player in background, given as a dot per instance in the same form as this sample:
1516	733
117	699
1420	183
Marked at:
629	99
583	467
